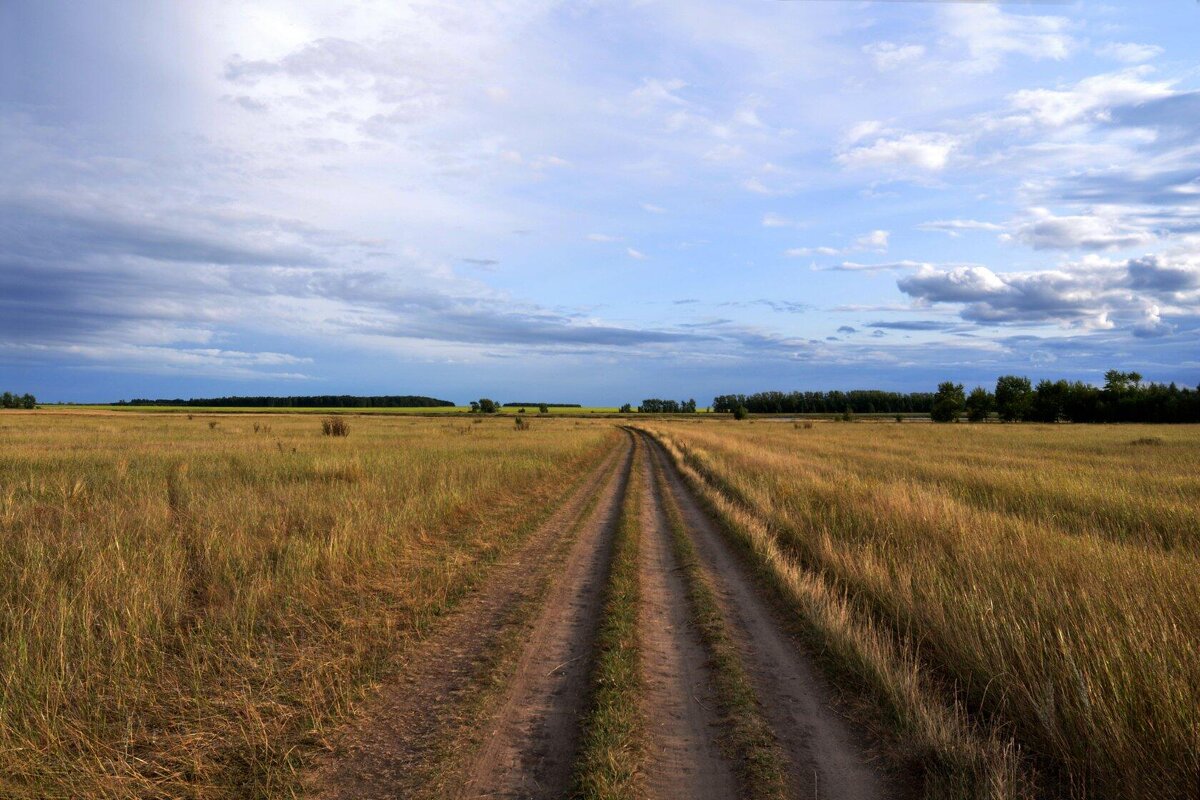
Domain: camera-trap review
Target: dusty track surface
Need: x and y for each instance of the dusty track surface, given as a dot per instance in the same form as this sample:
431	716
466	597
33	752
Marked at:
395	748
827	760
530	747
684	759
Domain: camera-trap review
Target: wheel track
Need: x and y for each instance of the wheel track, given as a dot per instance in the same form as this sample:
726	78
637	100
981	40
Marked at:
684	758
828	760
405	743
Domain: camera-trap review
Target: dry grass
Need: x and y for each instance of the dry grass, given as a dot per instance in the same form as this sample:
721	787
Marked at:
1046	579
185	608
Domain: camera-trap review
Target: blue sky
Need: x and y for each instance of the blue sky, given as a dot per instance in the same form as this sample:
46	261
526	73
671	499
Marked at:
594	202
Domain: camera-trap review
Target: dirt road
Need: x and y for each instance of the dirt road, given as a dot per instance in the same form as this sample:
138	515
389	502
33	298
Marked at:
491	705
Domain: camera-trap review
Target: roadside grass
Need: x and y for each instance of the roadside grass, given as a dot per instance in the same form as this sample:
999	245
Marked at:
186	610
612	752
747	735
1002	626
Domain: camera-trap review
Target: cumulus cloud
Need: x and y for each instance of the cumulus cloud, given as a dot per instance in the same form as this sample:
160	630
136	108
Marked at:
1155	274
1090	294
1045	231
1090	98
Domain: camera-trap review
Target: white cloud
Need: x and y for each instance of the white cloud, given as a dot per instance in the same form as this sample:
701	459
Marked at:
889	55
1130	52
758	187
1045	231
922	151
602	237
989	34
653	209
637	254
773	220
1090	97
955	227
875	240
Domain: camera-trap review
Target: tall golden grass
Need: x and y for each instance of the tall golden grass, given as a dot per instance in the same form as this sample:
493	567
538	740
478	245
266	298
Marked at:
1047	576
186	608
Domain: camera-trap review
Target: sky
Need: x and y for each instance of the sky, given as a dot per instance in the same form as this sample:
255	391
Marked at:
594	202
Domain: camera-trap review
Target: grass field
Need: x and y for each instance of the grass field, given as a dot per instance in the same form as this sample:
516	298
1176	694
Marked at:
1046	578
197	607
186	606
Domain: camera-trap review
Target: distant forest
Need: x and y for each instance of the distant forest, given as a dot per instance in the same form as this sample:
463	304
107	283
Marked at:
1123	398
858	401
312	401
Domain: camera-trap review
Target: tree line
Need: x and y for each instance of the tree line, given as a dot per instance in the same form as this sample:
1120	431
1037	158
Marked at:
858	401
310	401
11	400
654	405
1123	398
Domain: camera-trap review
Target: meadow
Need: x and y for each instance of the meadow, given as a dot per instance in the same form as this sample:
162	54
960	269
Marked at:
188	603
194	605
1022	602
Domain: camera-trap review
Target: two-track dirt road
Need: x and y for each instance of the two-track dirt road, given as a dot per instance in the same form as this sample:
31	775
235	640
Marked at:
492	704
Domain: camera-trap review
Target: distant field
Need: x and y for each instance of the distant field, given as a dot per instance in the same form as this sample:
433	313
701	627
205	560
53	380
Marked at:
259	410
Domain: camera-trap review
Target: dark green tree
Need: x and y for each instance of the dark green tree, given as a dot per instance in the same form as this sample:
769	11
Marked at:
979	403
948	402
1013	397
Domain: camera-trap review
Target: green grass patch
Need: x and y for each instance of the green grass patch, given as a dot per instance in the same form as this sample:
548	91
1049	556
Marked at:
612	751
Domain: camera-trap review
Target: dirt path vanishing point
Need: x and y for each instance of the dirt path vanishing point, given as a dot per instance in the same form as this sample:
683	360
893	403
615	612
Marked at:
684	758
827	760
396	748
529	749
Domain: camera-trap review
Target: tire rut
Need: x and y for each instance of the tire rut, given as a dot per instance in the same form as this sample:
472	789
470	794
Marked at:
827	759
530	746
399	744
684	758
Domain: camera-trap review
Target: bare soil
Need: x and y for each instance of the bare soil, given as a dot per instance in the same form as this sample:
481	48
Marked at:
828	759
404	742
